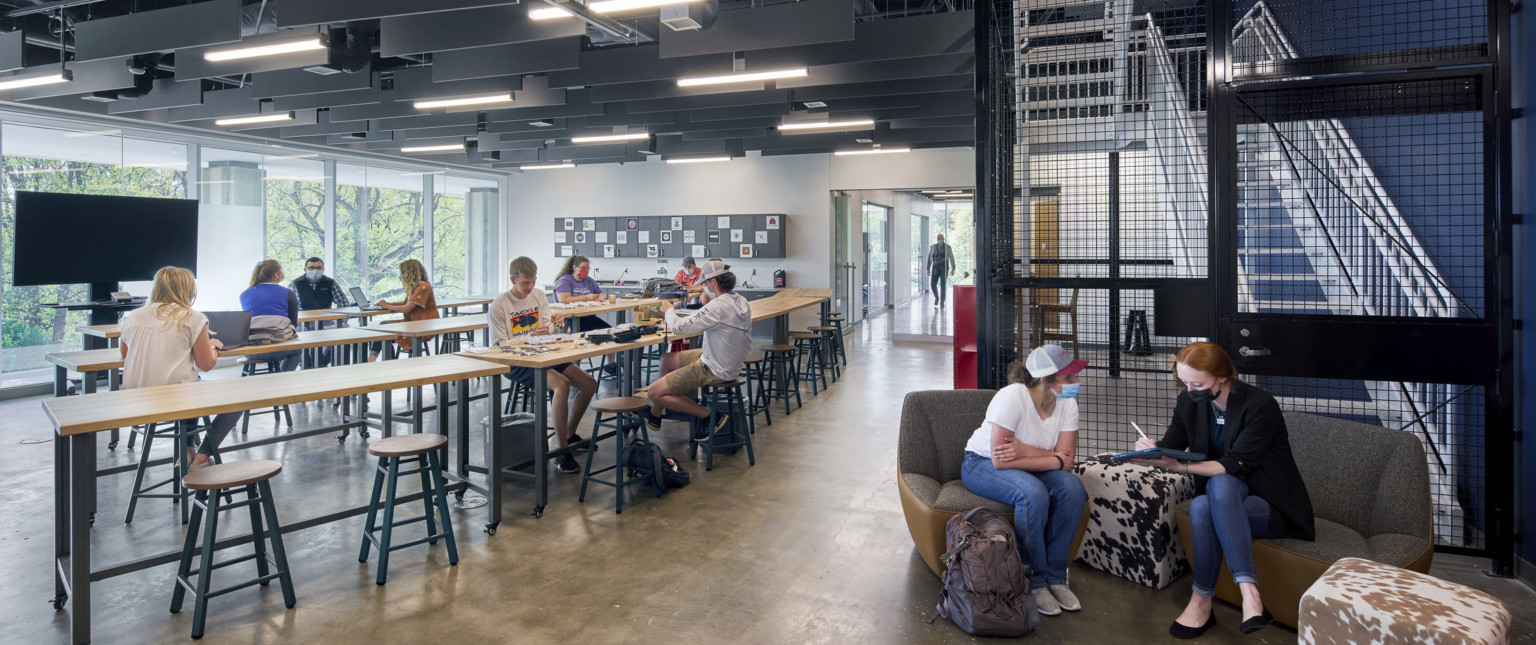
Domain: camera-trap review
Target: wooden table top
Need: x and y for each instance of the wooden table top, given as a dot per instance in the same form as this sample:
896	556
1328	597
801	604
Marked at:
623	304
103	331
775	306
93	360
821	294
315	338
433	326
447	303
72	415
565	355
110	359
354	312
316	315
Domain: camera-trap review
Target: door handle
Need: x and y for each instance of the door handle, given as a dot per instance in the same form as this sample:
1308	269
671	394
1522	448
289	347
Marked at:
1253	351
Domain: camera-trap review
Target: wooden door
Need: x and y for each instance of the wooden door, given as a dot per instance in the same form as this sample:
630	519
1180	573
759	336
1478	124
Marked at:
1044	244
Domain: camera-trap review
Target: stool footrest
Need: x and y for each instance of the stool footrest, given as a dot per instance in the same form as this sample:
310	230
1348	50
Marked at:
249	583
397	547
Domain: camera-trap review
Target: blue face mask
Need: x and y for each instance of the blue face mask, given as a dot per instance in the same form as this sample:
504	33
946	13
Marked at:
314	276
1069	390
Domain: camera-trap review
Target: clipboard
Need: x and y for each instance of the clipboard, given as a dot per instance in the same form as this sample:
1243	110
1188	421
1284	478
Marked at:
1154	453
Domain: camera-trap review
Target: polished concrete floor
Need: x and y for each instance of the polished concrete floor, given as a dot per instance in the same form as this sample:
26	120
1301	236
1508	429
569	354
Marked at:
808	546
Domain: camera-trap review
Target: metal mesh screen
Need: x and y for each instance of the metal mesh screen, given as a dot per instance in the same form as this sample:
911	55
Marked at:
1359	197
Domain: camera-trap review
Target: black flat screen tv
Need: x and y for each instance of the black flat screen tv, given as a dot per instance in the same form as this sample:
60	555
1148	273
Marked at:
74	239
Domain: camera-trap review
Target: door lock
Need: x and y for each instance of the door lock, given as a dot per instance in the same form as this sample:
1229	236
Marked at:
1253	351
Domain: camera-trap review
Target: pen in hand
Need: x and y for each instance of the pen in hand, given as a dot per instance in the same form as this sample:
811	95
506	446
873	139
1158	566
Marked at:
1138	431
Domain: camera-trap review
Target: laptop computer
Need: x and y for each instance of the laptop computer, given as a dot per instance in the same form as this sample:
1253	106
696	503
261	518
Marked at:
233	328
361	300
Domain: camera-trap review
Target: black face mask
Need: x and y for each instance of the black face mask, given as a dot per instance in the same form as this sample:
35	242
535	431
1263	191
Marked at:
1202	396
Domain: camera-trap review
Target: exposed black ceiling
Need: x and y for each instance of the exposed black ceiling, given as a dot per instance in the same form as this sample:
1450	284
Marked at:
906	65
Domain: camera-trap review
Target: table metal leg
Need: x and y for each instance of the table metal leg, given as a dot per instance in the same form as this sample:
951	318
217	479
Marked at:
781	330
493	472
82	492
388	413
442	419
464	427
61	517
540	442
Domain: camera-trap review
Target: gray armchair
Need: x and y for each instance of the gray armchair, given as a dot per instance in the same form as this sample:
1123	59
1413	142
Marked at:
1370	499
931	446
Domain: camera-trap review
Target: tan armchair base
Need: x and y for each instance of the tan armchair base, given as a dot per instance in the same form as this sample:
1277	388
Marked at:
927	524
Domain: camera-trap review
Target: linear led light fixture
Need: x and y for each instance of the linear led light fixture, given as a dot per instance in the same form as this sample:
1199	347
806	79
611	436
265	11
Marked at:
743	78
504	97
259	118
308	43
871	151
608	138
14	83
829	125
606	6
548	166
443	148
699	160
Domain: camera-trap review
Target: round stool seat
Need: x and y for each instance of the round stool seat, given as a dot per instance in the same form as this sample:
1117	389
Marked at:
730	384
621	404
822	328
752	360
406	445
233	473
804	335
781	348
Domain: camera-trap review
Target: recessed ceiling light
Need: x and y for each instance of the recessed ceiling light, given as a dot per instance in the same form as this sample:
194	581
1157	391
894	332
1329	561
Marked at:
810	105
442	148
259	118
504	97
322	70
632	136
541	124
871	151
698	160
550	166
827	125
742	78
12	83
604	6
309	43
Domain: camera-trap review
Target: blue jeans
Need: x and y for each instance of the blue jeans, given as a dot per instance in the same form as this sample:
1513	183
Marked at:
1225	520
222	424
1047	507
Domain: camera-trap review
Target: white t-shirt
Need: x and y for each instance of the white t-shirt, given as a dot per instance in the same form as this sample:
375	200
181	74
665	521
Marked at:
1012	408
512	317
159	354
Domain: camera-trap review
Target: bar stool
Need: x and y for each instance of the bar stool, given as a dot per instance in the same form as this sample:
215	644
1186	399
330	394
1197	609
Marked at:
722	399
755	371
252	369
829	339
836	320
631	434
809	365
210	482
179	493
423	450
454	341
782	381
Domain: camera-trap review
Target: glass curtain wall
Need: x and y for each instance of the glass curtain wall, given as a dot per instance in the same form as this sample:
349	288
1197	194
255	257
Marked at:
379	224
100	162
877	273
955	220
464	217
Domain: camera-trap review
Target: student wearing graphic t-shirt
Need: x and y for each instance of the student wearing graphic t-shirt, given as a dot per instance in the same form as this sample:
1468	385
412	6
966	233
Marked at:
167	343
522	311
1022	456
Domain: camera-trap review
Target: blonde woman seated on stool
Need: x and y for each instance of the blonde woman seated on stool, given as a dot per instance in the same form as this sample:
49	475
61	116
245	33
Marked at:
1022	455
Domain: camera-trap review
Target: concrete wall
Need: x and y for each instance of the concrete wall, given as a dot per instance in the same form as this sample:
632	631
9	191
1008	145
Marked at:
799	186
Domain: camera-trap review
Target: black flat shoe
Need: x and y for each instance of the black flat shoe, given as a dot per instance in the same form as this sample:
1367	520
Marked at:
1180	630
1256	623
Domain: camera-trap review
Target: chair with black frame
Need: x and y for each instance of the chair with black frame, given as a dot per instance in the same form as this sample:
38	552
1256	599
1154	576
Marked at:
1042	334
279	413
722	399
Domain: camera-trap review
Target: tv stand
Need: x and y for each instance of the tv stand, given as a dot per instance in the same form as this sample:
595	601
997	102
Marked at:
103	310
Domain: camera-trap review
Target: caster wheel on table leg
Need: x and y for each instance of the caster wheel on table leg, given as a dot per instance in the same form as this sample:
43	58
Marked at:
341	441
538	511
58	601
112	445
490	529
458	496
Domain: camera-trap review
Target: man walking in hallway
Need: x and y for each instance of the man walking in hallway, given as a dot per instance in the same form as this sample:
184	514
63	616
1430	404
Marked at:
941	265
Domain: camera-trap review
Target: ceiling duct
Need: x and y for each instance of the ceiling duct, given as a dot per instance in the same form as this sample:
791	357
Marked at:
145	69
690	16
259	18
352	48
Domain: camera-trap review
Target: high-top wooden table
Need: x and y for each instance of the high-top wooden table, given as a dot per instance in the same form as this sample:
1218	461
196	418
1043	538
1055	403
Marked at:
778	308
421	329
318	315
540	364
109	332
75	419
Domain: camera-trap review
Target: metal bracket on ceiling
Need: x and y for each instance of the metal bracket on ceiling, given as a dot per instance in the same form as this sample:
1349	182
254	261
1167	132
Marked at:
609	25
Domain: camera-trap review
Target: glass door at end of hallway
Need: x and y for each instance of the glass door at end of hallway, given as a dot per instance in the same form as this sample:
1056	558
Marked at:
877	274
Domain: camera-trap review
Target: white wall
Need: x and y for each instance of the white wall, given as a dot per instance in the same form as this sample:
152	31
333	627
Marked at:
799	186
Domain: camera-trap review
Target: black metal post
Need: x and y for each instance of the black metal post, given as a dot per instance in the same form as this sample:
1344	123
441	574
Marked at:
1221	141
1114	264
1499	453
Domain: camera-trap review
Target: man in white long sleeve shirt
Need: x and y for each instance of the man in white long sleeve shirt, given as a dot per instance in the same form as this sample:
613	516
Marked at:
726	322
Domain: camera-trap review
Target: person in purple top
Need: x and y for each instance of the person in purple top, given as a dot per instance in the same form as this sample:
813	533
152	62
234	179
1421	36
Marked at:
576	284
272	305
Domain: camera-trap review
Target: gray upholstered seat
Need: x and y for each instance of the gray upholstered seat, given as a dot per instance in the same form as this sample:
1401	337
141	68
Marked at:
1370	499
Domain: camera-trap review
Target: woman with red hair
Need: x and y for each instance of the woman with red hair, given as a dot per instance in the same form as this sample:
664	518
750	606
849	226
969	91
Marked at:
1249	482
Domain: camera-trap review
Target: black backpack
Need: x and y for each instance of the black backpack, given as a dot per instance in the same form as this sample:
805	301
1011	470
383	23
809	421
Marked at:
986	585
660	471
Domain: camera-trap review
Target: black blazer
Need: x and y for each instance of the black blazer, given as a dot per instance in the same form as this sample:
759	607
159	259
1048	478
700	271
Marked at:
1258	452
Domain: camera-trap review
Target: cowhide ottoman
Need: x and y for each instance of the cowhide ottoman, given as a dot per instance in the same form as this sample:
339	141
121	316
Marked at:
1131	528
1360	601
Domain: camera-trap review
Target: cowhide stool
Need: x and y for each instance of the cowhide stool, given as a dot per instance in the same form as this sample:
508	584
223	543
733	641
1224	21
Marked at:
1360	601
1132	532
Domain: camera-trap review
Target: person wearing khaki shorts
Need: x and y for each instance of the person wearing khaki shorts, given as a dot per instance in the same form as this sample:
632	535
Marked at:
726	323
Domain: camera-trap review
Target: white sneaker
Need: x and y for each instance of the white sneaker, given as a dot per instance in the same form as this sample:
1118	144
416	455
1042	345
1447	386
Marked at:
1046	602
1065	597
